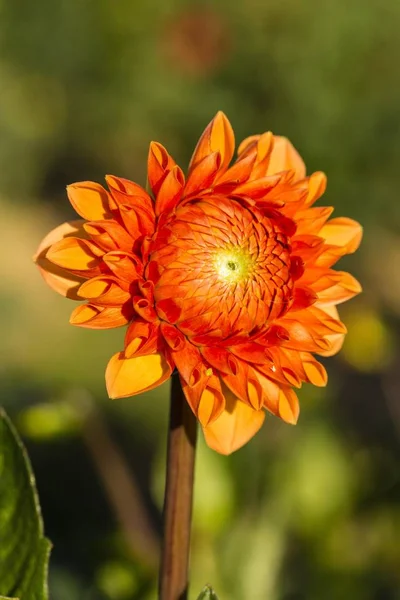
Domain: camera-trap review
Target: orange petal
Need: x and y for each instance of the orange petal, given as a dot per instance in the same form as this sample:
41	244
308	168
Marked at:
90	200
336	287
109	235
236	425
342	232
170	191
314	370
203	174
284	157
75	254
99	317
336	340
217	137
131	376
59	280
288	406
159	164
104	290
208	401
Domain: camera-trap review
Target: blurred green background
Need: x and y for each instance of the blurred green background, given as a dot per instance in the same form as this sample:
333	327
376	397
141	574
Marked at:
304	513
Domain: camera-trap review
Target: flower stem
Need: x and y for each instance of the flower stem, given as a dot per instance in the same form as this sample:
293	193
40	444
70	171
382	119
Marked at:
182	434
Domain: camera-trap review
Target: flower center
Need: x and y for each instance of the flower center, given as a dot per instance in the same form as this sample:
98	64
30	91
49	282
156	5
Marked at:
233	265
222	269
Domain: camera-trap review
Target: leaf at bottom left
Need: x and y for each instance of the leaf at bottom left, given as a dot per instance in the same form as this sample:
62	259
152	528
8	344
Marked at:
24	550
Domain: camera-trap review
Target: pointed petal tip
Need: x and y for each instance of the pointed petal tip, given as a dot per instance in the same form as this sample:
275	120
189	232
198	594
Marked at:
131	376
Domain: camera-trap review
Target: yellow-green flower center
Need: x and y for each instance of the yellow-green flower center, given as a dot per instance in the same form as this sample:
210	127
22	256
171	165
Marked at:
233	265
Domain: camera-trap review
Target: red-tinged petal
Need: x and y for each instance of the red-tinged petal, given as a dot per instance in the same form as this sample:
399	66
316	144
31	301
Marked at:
217	137
170	191
237	174
203	174
123	265
168	310
90	200
284	157
236	425
59	280
260	188
99	317
144	309
189	363
104	291
217	357
249	351
142	338
303	297
342	232
159	164
75	254
174	338
288	406
131	376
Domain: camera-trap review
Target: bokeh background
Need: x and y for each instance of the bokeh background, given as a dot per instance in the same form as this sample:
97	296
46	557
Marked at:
304	513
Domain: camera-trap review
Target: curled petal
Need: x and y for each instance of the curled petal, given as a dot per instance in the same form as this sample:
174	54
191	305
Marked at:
235	426
342	236
284	157
336	287
142	337
109	235
288	405
310	220
159	164
170	191
56	277
209	403
144	309
100	317
90	200
131	376
336	340
189	363
315	372
217	137
203	174
125	191
104	291
75	254
316	187
124	265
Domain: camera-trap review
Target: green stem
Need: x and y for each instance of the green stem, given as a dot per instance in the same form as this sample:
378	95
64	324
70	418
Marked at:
178	499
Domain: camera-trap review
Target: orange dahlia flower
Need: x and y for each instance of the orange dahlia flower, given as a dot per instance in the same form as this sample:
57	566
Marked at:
225	275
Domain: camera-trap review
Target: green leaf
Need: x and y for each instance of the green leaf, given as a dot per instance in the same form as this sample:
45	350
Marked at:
208	594
24	551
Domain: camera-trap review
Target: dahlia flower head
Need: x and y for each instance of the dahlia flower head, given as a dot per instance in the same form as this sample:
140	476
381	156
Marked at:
224	274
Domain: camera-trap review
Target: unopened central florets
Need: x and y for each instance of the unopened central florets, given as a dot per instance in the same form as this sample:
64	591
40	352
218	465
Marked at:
223	269
233	265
